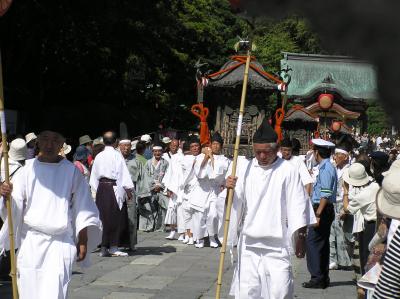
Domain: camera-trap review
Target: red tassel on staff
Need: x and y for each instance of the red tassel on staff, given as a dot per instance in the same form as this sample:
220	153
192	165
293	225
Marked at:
202	113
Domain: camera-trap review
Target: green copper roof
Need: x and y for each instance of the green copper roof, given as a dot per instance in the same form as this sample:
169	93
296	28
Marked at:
310	73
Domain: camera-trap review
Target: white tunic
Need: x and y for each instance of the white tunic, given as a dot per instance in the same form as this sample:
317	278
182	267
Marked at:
299	164
111	164
275	207
52	205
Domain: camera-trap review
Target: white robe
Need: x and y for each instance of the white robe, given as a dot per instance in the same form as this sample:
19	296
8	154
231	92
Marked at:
173	180
111	164
52	205
216	173
275	208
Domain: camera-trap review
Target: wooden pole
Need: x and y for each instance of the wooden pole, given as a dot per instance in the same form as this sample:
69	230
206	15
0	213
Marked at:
7	180
234	165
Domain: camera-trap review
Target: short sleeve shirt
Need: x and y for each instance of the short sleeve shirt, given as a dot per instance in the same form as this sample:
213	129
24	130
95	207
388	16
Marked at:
326	183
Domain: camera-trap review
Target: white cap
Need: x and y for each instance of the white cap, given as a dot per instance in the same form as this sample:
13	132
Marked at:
18	149
166	140
133	144
146	138
98	140
322	143
30	136
66	148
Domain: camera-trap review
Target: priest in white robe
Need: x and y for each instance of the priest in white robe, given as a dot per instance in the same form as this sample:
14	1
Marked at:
274	214
56	221
173	180
111	181
190	183
216	167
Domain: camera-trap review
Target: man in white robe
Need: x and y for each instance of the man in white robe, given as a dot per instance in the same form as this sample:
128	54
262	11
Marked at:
274	213
56	221
190	184
111	181
216	168
173	183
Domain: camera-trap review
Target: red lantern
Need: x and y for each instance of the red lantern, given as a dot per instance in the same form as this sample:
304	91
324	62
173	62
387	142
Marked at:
325	101
336	126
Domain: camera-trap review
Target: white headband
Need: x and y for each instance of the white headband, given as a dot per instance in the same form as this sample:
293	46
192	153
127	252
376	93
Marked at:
157	147
124	141
341	151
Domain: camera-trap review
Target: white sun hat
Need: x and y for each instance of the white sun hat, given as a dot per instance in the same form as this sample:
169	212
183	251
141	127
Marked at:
388	197
356	175
18	149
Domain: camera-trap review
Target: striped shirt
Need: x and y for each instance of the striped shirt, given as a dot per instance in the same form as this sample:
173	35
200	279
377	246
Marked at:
388	286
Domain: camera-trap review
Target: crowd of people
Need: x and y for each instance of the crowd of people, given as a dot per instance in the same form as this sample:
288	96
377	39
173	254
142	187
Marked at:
336	204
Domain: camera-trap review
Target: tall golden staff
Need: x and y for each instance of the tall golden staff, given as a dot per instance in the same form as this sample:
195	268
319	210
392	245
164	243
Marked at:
246	44
7	180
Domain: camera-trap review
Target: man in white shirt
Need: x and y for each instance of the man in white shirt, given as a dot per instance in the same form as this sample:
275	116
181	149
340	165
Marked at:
55	219
269	188
111	181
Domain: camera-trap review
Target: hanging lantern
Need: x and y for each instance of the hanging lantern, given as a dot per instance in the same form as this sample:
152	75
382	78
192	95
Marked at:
336	126
325	101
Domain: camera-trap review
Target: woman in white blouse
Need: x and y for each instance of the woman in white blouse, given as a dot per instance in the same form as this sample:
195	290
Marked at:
359	200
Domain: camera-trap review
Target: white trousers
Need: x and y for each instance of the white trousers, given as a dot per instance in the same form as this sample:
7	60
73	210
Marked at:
187	215
44	265
199	226
262	274
180	218
212	219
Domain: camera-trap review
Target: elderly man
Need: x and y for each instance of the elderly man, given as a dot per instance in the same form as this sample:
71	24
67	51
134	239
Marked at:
341	237
323	197
156	168
269	188
56	220
173	148
111	181
125	147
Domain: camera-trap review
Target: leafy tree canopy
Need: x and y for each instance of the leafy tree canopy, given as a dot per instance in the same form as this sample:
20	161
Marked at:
131	61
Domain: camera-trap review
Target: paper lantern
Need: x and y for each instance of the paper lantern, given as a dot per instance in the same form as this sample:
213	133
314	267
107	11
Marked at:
325	101
336	126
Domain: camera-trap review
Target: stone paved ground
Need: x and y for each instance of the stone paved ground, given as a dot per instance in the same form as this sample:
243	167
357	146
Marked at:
168	269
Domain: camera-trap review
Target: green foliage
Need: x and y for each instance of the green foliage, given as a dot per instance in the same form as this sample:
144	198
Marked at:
378	121
288	35
136	58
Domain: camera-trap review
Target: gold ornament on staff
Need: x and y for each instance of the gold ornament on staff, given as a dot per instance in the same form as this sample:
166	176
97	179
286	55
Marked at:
13	272
247	45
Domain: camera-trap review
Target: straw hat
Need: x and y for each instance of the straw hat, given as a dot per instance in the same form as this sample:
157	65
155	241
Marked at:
388	197
84	139
356	175
18	149
30	136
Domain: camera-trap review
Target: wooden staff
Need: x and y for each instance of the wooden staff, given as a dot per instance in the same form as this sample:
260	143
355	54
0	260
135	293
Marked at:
233	174
7	180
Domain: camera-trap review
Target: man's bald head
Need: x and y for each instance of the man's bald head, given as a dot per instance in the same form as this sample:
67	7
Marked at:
109	138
